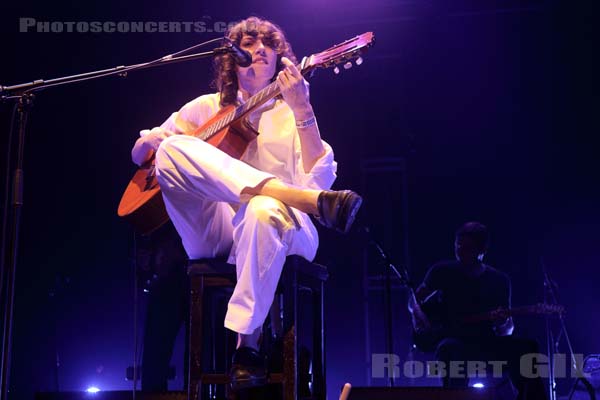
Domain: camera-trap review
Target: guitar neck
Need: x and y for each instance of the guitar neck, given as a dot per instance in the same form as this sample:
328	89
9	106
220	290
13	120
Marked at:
343	52
489	316
260	98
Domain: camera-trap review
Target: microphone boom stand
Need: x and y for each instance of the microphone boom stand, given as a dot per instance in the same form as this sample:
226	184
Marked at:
24	94
404	281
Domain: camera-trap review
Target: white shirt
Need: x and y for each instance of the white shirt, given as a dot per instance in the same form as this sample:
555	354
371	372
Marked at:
277	148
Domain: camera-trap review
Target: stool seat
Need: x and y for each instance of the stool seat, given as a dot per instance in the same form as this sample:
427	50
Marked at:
220	266
298	273
210	266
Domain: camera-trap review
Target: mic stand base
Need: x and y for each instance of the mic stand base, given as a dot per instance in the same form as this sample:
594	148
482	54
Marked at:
550	293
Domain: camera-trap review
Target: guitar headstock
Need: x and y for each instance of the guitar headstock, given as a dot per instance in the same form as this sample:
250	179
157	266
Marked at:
340	53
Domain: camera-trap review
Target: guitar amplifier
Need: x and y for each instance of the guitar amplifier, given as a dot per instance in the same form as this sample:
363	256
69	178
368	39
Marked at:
421	393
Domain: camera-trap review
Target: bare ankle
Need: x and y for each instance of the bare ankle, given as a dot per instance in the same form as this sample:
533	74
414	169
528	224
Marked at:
252	340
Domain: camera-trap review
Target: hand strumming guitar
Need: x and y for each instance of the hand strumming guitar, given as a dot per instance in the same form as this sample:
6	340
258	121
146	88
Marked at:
148	143
503	323
420	321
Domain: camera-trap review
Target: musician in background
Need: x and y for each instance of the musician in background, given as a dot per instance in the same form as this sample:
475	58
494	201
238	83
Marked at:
256	209
466	287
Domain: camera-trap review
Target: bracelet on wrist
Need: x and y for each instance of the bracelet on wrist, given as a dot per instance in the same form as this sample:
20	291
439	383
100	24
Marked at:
306	123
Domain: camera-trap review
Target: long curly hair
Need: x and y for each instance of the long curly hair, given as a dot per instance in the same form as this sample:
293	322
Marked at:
225	80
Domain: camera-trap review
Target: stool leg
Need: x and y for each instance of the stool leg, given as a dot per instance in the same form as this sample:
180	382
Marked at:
318	389
290	345
195	339
213	347
186	350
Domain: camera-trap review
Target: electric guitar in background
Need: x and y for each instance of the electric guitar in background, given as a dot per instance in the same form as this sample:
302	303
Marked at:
427	338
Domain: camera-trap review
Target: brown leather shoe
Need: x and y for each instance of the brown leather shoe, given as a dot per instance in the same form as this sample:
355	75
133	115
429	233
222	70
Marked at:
337	209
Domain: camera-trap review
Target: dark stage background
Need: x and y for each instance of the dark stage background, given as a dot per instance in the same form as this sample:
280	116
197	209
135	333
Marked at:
491	104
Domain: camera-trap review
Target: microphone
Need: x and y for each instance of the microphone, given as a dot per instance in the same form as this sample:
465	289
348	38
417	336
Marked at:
241	57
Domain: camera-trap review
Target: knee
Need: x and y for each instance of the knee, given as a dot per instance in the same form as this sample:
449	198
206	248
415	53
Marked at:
167	152
267	211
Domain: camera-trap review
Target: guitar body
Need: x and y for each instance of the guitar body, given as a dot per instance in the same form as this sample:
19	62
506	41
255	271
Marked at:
142	203
427	341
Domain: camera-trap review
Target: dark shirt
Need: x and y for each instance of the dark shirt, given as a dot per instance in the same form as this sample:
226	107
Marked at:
460	295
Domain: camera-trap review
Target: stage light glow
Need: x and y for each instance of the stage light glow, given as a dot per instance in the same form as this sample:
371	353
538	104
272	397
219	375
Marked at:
92	389
478	385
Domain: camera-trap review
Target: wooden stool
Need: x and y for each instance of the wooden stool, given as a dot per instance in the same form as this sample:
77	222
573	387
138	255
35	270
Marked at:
298	274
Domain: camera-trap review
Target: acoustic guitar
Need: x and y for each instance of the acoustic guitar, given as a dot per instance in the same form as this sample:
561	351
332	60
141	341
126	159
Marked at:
228	130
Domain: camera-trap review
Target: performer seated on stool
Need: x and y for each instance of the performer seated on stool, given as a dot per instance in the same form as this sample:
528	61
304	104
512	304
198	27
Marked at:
255	209
467	287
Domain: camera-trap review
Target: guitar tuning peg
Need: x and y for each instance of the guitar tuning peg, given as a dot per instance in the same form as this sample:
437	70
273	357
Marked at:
359	61
348	65
336	70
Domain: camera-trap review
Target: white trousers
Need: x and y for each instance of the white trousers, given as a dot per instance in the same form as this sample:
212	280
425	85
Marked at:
201	186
